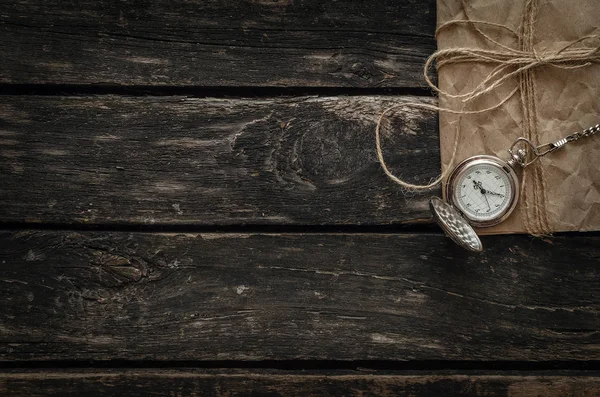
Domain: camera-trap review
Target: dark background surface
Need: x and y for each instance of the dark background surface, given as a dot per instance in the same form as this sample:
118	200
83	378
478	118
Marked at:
191	204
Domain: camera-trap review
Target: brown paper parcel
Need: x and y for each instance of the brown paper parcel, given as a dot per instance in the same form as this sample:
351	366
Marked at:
561	191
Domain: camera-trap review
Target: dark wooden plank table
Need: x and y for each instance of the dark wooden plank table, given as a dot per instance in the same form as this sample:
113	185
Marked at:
191	204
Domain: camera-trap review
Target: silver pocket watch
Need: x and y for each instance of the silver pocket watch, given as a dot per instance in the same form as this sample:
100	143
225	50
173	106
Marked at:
483	190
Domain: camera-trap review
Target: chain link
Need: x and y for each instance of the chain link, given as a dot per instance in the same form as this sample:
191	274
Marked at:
526	157
587	132
542	150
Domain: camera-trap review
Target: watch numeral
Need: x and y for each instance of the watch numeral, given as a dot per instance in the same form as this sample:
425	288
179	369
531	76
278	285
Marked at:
497	177
497	205
478	172
469	177
469	204
488	172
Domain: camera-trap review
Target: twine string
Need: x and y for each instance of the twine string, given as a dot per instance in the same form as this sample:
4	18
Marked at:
514	65
534	221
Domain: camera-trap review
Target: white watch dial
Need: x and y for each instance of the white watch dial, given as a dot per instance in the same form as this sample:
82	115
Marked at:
483	192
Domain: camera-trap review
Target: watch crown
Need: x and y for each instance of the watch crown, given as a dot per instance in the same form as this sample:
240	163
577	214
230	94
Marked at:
517	158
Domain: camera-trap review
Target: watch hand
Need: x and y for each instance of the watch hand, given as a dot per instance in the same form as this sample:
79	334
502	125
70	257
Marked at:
487	191
486	199
479	186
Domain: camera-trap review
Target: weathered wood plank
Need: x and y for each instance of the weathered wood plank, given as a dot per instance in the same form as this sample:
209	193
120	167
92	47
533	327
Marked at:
100	295
188	161
293	383
217	42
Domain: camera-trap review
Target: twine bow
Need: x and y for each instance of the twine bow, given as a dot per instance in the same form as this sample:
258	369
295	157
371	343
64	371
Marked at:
511	65
510	62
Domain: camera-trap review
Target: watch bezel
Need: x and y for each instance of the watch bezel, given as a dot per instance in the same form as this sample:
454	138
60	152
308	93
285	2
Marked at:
470	162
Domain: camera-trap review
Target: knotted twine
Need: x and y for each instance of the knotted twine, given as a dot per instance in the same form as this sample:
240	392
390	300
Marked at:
512	65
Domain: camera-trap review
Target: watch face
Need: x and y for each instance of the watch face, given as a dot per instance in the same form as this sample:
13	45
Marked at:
484	189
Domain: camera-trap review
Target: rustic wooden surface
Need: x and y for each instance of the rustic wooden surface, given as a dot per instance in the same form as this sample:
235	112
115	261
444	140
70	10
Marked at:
184	382
194	184
224	296
190	161
217	43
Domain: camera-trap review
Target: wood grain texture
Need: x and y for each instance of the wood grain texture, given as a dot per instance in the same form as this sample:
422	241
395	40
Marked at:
185	382
111	296
187	161
215	43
